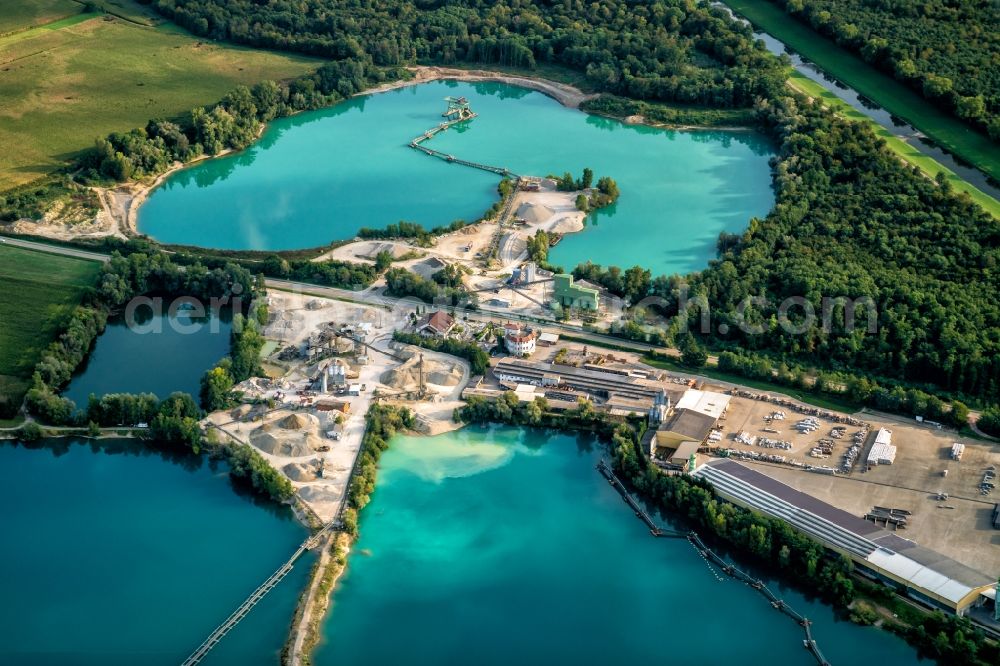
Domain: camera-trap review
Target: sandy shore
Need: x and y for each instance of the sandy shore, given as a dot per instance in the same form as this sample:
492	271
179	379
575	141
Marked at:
563	93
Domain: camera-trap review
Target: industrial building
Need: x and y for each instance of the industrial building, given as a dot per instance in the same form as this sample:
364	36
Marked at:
922	574
625	389
684	426
570	295
693	417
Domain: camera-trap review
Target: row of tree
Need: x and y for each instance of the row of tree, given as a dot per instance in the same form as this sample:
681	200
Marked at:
242	363
945	50
866	391
381	423
674	50
405	229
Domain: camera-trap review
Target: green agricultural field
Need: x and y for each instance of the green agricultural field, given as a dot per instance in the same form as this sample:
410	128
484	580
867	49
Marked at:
66	83
896	98
19	15
38	293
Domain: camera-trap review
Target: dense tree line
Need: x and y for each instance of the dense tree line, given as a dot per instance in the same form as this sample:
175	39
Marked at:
243	362
634	283
402	283
946	50
405	229
674	50
661	114
479	360
344	274
247	465
381	423
234	123
857	388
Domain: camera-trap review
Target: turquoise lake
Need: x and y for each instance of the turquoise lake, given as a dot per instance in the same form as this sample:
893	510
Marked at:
161	353
501	546
119	556
320	176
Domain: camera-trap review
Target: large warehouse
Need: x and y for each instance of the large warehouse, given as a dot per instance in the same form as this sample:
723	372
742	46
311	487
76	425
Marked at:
923	574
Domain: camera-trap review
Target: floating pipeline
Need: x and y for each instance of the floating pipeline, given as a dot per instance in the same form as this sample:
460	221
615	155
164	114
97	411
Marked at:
711	557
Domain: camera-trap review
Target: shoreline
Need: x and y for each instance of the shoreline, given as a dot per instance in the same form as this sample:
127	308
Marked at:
127	198
305	633
567	95
119	205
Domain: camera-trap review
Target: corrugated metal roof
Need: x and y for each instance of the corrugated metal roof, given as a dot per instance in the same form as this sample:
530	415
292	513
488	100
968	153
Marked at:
923	568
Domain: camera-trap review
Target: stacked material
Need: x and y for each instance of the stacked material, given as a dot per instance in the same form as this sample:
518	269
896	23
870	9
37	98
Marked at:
883	452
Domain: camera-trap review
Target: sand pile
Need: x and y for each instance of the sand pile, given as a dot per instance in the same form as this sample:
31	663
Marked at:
534	213
293	422
568	224
301	471
372	250
319	494
292	436
407	376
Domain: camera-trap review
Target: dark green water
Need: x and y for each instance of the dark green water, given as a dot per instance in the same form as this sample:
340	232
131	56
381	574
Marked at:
505	546
321	176
123	557
160	354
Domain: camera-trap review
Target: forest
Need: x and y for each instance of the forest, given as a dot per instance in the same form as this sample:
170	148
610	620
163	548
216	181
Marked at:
671	50
381	423
848	222
946	50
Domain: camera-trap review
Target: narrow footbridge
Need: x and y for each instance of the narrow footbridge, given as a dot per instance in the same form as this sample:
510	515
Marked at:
255	597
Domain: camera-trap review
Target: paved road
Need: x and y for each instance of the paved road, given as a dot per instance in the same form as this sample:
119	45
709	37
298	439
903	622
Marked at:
373	297
54	249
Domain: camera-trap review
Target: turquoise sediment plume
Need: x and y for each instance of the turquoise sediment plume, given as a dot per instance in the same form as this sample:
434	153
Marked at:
321	176
503	545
